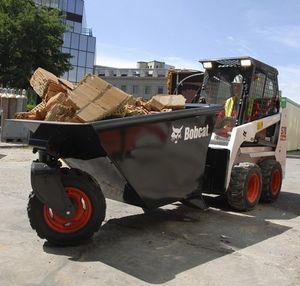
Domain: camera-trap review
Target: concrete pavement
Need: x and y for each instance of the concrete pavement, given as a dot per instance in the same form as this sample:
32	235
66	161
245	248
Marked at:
174	245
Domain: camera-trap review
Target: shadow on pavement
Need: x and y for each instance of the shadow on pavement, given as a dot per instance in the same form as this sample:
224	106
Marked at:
287	206
156	246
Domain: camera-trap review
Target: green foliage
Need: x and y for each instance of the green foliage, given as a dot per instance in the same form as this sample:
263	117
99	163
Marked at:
30	37
31	99
30	107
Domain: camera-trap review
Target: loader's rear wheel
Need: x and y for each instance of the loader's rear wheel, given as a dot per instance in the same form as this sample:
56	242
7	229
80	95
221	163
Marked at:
90	208
245	186
271	180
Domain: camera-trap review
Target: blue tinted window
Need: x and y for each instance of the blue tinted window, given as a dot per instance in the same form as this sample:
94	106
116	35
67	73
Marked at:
65	50
90	60
80	73
75	41
83	42
67	39
82	58
77	27
79	7
71	6
89	71
72	74
54	4
74	59
91	44
70	25
63	4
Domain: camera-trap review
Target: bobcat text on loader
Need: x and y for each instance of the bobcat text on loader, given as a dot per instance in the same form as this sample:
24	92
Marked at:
232	145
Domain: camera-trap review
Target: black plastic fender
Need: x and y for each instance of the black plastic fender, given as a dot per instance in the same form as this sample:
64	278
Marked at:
46	184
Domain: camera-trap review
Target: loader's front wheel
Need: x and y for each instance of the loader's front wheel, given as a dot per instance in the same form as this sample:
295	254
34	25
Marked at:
90	208
245	186
271	180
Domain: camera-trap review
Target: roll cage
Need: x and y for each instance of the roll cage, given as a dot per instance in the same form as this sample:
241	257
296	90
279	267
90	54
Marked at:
259	96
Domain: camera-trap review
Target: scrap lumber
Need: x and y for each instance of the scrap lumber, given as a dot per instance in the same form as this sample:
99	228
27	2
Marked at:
96	99
59	98
46	84
37	113
92	99
66	83
60	112
160	102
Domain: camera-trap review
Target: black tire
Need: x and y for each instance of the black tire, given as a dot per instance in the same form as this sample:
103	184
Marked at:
90	211
271	180
245	186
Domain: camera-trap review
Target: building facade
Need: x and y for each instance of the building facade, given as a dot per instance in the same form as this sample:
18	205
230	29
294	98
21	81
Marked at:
293	127
146	80
78	40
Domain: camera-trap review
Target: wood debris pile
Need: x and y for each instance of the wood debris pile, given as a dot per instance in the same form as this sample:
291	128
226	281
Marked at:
92	99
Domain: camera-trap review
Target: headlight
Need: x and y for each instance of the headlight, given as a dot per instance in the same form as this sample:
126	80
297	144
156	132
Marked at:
207	65
246	63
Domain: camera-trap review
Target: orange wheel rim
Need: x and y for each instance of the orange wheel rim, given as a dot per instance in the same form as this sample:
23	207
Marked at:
253	188
82	215
276	182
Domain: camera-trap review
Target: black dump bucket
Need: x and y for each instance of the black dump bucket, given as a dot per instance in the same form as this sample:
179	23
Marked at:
148	161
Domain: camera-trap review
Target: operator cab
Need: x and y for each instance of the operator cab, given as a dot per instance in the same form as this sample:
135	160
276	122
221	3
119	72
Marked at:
246	87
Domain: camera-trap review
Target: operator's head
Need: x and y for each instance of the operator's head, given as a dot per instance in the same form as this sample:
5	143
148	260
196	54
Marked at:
237	85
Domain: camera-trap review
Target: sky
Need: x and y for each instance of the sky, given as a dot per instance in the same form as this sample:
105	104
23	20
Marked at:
182	32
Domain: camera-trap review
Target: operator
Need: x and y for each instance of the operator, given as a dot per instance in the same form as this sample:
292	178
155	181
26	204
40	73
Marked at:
227	118
231	102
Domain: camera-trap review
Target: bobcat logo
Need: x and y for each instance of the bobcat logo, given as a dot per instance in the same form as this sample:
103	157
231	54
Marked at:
176	134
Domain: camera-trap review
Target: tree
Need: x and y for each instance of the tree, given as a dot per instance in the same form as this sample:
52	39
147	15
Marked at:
30	37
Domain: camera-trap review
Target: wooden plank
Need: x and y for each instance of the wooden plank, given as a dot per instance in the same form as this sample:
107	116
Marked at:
96	98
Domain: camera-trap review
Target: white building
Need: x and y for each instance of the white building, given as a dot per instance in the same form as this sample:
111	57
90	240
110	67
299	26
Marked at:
146	80
293	128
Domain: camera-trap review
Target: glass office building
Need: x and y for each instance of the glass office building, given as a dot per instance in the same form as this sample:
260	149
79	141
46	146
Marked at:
78	40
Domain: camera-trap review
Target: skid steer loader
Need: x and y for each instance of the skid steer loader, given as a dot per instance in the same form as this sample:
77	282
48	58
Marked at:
247	151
